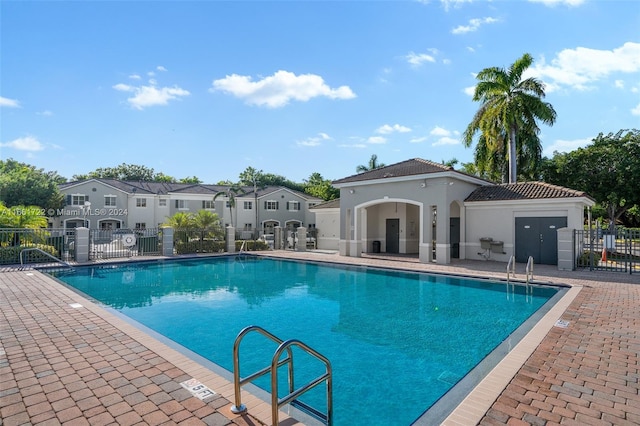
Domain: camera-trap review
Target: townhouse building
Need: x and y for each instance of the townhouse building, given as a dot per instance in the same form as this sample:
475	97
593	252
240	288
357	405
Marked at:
111	204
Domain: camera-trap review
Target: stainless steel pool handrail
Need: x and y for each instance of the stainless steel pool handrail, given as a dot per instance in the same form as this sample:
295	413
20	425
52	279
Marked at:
276	362
511	267
42	252
529	270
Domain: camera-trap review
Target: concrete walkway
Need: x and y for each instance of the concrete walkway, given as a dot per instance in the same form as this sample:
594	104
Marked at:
65	360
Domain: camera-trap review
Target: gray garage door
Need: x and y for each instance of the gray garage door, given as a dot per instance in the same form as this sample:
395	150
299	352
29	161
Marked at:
538	237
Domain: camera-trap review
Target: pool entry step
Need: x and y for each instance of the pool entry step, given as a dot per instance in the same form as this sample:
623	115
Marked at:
276	362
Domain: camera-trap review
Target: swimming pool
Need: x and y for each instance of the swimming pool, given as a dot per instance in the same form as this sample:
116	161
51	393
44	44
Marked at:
397	340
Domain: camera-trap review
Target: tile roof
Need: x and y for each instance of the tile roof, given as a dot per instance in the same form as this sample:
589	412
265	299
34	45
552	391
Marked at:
523	191
331	204
164	188
415	166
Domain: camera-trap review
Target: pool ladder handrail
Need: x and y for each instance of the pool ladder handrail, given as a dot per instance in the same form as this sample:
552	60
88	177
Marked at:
529	270
511	268
276	362
42	252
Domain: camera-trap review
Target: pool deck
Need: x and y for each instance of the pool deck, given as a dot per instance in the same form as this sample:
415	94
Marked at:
66	360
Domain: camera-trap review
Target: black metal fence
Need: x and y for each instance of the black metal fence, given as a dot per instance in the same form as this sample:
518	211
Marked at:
602	249
114	243
191	241
57	243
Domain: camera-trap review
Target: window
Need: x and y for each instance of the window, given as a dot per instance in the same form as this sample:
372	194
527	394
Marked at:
293	205
248	205
248	226
181	204
141	225
77	199
141	202
208	204
162	202
271	205
109	200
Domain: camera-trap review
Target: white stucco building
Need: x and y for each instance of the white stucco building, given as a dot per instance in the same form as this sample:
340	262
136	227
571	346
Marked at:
437	213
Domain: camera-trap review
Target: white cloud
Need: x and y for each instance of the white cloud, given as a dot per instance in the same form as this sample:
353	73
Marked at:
11	103
619	84
445	137
353	145
565	146
448	4
446	141
135	77
150	94
377	140
45	113
27	143
387	129
417	59
470	91
161	68
579	68
636	110
439	131
552	3
418	140
314	140
279	89
474	24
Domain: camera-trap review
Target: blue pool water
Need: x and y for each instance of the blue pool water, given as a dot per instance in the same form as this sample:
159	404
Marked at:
397	341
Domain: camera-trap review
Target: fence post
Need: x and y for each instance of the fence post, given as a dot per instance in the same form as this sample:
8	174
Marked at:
82	244
277	238
566	249
231	239
167	241
301	245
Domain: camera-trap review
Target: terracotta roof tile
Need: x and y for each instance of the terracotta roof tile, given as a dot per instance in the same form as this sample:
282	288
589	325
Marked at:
415	166
523	191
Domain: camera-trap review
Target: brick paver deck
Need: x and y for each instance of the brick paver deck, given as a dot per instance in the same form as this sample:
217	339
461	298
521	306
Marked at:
61	363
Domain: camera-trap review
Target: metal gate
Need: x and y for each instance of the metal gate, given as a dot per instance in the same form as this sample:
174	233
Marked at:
123	242
602	249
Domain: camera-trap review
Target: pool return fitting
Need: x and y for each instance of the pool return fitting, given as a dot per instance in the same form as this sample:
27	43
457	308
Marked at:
276	362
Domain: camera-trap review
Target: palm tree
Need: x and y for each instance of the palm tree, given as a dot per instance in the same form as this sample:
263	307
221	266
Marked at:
231	193
373	164
207	223
510	107
21	217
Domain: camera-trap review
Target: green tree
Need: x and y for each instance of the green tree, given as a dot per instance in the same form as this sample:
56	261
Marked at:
181	220
24	185
510	106
190	179
133	172
30	217
230	193
608	170
319	187
373	164
208	223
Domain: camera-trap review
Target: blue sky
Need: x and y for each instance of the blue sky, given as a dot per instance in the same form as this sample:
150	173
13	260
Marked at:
209	88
